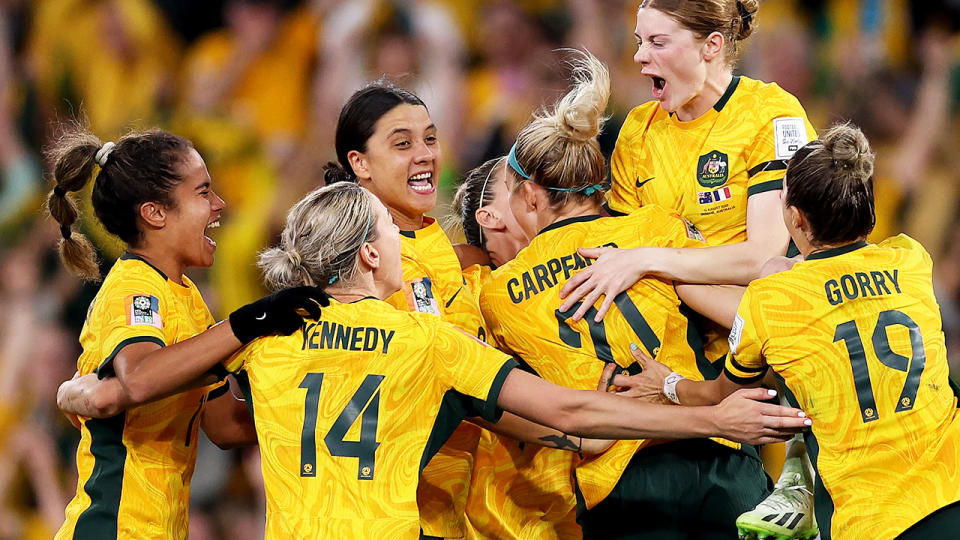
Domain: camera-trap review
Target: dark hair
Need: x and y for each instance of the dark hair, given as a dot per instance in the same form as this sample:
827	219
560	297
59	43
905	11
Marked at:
357	121
736	20
475	192
141	167
830	180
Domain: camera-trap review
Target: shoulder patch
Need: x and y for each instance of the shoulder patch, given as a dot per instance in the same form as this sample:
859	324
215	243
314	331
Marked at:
143	309
789	134
420	296
736	331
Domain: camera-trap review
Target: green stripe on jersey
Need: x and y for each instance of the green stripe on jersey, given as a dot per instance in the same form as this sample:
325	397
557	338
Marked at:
105	484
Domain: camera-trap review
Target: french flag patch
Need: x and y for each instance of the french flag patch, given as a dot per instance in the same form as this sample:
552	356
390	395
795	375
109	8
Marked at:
717	195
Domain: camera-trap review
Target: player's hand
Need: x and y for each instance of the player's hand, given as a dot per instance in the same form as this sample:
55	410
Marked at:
73	418
606	378
279	313
745	417
614	271
646	385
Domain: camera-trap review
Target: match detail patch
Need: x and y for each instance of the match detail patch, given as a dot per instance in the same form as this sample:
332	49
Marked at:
790	134
693	233
143	309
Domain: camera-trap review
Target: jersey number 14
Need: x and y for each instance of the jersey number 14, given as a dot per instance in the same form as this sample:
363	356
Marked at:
364	404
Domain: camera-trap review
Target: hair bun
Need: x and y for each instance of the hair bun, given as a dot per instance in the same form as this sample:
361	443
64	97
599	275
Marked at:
334	172
850	150
580	113
747	12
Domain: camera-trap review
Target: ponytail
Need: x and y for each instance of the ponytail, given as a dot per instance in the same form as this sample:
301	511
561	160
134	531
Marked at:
74	157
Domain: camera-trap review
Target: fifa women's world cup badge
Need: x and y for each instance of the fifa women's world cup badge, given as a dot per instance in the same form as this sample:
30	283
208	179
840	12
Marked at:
712	169
143	309
420	296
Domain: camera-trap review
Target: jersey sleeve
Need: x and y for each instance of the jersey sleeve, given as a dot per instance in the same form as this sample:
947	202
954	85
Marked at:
238	360
786	131
470	366
137	312
623	197
745	363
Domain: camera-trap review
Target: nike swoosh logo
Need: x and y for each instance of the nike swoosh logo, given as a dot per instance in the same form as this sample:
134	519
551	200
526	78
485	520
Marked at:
639	183
262	317
454	296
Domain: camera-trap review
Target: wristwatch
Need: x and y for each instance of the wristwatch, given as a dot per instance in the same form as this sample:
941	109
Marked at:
670	386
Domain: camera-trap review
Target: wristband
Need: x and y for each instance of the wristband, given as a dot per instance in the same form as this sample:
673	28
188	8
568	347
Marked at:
670	386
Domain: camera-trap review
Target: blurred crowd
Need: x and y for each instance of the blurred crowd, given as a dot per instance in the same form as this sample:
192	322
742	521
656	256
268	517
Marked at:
257	86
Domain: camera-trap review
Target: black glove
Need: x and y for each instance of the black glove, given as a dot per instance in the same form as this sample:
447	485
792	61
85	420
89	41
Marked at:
280	313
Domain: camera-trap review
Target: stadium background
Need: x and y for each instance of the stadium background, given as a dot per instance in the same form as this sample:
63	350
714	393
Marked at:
257	85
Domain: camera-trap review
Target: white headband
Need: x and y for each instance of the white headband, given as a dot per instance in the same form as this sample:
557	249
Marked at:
104	152
483	190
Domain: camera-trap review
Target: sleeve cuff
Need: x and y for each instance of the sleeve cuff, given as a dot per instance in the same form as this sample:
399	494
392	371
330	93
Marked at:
491	412
764	187
218	391
741	374
219	371
106	367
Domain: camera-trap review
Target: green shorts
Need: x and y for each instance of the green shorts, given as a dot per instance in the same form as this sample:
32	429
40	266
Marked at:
691	489
944	523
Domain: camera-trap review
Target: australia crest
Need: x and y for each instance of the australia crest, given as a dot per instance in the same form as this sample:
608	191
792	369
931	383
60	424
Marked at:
712	169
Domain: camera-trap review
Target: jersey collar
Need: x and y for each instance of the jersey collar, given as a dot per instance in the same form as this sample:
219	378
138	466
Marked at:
427	221
127	256
826	254
568	221
718	106
731	88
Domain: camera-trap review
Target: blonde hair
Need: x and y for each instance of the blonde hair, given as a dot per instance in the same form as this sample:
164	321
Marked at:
322	238
735	20
558	150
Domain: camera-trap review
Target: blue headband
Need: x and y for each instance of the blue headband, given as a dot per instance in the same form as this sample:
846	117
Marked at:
515	165
366	230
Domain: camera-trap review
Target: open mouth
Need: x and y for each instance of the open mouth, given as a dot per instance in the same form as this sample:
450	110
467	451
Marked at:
658	85
422	183
212	225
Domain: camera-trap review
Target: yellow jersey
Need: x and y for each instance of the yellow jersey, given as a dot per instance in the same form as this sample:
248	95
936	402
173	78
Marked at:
135	468
348	413
855	335
434	283
706	169
520	303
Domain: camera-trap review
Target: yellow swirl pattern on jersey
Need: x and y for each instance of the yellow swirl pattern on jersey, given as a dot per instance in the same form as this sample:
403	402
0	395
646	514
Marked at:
434	283
855	334
135	468
520	303
347	415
